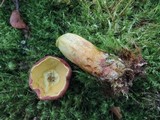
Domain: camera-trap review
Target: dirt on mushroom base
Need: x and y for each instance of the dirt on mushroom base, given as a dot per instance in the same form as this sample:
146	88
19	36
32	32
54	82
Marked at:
135	65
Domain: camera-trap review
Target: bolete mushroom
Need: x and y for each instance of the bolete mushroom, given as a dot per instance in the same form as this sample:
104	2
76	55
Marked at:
49	78
107	67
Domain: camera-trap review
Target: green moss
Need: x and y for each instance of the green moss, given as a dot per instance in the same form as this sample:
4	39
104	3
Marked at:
107	25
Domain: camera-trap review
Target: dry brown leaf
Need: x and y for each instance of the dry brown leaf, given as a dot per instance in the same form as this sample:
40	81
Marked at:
16	20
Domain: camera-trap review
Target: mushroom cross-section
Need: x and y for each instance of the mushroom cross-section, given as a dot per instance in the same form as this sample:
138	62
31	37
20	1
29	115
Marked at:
49	78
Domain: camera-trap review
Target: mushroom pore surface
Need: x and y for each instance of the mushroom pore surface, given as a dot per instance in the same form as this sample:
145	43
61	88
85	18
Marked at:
49	77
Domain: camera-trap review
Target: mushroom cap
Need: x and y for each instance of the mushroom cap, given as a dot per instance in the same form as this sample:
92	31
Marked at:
50	77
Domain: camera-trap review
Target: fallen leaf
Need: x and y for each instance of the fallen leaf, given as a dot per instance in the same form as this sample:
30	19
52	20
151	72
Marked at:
16	20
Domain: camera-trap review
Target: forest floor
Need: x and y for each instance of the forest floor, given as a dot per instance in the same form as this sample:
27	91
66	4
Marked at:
108	24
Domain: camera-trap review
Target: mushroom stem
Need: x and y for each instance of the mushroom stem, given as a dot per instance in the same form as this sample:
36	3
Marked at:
110	69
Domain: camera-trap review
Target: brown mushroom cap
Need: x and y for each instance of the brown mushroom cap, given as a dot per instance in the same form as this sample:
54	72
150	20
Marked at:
49	78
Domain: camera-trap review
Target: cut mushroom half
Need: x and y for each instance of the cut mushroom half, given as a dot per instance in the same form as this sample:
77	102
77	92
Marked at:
49	78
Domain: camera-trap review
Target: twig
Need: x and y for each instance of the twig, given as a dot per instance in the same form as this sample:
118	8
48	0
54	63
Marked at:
17	5
16	2
2	3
